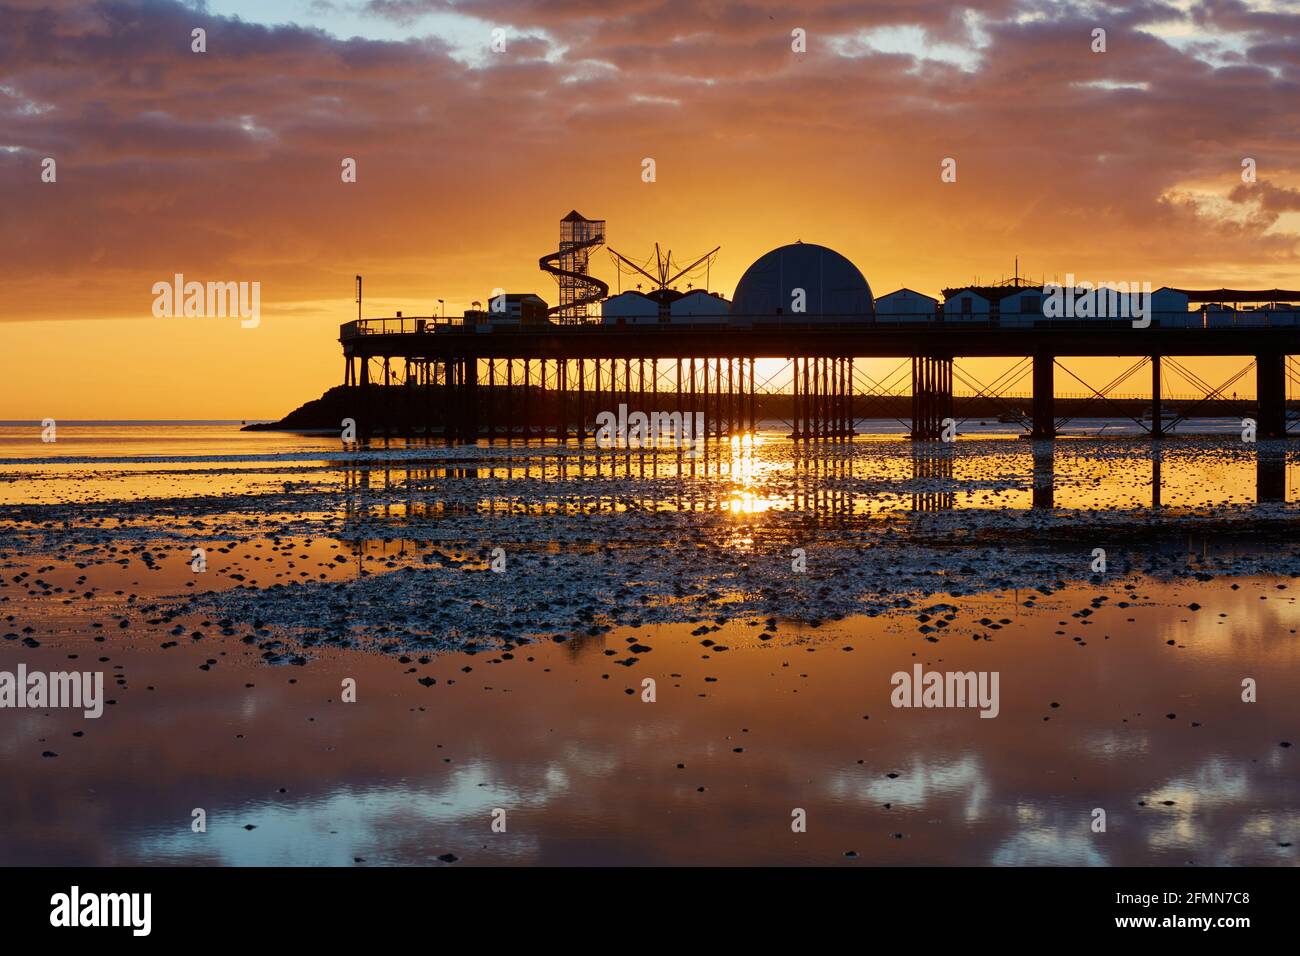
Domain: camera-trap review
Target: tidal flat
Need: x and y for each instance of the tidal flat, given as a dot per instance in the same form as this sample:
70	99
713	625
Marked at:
499	611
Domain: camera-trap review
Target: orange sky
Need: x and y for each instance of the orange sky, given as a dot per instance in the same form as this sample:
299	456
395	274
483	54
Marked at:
1122	165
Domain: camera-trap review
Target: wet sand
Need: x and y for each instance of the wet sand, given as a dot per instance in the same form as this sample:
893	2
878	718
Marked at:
522	690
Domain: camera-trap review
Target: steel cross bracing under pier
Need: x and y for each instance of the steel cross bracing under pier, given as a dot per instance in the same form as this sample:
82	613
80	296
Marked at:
465	383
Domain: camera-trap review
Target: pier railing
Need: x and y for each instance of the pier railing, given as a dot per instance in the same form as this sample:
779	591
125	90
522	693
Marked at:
417	324
711	325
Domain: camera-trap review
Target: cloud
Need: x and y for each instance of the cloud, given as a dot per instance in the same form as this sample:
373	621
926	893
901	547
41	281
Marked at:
1271	199
225	165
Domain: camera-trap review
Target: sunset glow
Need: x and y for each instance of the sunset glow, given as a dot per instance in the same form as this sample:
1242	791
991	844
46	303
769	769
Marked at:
225	165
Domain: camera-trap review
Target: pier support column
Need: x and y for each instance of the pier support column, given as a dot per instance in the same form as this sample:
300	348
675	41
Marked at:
690	386
805	403
492	400
654	384
543	418
527	405
679	382
512	406
1044	397
817	419
827	429
794	398
426	399
1270	386
471	399
848	397
731	397
562	386
850	417
364	423
1157	426
753	420
921	428
802	414
442	395
553	422
446	403
715	394
720	387
807	397
627	385
931	396
386	398
839	399
823	399
740	395
582	411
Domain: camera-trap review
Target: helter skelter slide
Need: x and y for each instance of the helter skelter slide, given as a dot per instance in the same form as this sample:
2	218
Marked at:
578	236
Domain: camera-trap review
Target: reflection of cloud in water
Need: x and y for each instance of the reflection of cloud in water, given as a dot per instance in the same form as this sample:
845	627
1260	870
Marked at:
1214	782
1057	837
1261	829
1214	785
913	788
1052	838
378	824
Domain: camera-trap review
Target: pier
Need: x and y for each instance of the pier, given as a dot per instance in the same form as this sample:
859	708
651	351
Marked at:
426	375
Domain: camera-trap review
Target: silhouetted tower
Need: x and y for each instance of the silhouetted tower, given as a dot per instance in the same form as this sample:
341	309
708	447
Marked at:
578	236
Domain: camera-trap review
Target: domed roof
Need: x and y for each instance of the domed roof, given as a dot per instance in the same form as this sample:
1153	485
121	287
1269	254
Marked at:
832	285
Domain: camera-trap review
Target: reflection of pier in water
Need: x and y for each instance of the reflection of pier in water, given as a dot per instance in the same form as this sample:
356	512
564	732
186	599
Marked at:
1270	476
723	477
678	479
933	461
